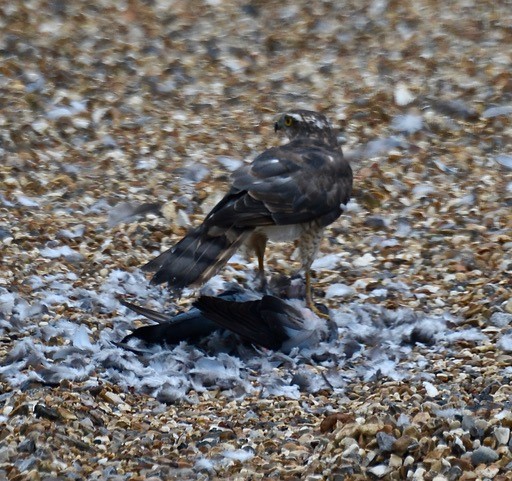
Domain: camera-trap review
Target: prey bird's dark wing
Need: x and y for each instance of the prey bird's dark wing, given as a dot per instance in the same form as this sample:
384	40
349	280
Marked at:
264	322
188	326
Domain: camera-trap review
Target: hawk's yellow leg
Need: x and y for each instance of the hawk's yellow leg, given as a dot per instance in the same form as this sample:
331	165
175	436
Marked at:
309	298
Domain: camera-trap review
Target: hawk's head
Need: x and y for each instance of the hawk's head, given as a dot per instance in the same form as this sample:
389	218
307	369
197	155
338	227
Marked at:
306	124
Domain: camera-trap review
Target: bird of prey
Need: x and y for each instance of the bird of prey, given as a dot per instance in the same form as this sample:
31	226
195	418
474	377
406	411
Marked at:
289	192
266	322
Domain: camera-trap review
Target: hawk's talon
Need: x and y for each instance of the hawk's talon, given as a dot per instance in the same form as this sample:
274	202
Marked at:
261	283
320	313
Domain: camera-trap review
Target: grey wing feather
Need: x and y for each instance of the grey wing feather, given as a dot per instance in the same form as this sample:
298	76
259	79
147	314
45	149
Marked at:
295	183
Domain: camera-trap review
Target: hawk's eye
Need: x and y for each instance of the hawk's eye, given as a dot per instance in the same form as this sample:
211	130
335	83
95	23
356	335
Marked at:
288	121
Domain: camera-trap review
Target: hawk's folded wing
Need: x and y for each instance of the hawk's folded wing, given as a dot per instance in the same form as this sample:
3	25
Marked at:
302	181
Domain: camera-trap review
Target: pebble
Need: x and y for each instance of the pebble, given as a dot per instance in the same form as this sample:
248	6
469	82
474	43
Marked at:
385	441
502	435
483	455
508	306
380	470
501	319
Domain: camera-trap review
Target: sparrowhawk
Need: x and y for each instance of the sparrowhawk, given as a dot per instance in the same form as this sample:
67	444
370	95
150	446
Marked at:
289	192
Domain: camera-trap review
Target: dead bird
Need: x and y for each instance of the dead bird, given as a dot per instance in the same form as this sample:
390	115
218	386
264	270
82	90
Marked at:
268	322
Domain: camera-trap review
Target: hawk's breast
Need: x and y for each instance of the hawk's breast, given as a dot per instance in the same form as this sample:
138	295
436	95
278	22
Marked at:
282	233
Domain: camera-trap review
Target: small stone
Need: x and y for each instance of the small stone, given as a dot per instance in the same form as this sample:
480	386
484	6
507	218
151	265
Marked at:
468	476
182	218
501	319
329	423
380	470
487	472
43	411
419	474
481	426
27	446
421	418
505	160
385	442
463	463
454	473
483	455
458	447
508	306
502	435
403	444
111	397
351	452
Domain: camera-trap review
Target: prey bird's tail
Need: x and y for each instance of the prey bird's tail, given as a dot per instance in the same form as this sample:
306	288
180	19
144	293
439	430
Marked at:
197	257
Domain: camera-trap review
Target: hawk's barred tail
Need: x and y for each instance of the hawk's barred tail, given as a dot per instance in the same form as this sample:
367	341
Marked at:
196	258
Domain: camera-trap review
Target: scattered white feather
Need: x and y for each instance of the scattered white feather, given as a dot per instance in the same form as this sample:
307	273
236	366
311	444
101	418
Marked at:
62	251
26	201
81	339
366	342
408	123
352	206
445	168
470	334
496	111
364	261
146	164
230	163
381	146
505	343
51	298
7	300
339	290
468	199
74	108
386	367
330	261
204	464
432	391
449	413
381	293
403	420
505	160
59	112
423	190
402	94
74	232
238	455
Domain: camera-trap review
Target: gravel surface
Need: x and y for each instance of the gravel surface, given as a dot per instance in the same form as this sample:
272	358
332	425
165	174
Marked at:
120	123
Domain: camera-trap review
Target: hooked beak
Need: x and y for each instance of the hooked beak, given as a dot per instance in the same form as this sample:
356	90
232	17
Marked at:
276	126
